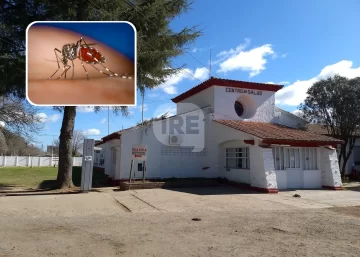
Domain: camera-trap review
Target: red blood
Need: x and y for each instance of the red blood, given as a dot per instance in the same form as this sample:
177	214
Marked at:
89	55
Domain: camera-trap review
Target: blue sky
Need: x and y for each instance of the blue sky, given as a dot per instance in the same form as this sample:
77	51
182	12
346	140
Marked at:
294	43
119	36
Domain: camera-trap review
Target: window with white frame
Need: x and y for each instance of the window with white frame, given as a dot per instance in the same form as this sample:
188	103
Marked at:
295	158
237	158
309	158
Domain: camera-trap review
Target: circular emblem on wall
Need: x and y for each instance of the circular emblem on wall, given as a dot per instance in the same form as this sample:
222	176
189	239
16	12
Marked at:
239	108
245	106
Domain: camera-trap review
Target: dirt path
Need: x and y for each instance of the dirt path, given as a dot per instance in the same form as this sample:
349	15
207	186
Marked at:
95	225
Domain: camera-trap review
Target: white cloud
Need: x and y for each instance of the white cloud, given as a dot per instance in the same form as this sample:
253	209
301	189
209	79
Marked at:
284	83
194	50
54	117
92	132
279	83
295	93
201	73
169	108
137	108
252	60
43	117
169	86
103	120
152	95
85	109
298	113
283	55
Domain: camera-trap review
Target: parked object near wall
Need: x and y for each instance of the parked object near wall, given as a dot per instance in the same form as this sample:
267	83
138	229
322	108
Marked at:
33	161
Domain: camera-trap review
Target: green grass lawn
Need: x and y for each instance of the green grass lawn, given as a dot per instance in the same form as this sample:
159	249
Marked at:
41	177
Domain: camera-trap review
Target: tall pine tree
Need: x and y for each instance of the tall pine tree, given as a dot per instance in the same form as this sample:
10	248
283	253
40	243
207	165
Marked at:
157	46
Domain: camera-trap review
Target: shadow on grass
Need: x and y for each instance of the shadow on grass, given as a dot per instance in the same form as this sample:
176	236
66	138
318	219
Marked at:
47	192
49	187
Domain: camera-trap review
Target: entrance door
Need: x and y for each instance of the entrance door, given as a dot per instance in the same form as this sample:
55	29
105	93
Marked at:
294	172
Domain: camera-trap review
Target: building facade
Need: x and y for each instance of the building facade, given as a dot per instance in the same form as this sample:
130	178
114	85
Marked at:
245	139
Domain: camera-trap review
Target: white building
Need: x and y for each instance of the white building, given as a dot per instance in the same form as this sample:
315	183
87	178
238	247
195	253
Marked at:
246	140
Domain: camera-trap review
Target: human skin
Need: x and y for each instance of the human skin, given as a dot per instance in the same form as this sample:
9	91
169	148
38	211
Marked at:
99	89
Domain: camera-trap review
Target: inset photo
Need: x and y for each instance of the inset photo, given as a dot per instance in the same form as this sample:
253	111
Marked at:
81	63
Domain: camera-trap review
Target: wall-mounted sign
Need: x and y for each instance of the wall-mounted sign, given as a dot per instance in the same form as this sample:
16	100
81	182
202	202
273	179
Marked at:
243	91
139	152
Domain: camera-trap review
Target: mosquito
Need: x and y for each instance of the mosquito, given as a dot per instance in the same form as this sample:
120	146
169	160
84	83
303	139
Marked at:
86	53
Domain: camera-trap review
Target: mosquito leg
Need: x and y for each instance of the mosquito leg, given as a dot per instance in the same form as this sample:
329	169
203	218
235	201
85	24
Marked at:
87	74
57	58
73	69
82	63
110	75
67	67
115	74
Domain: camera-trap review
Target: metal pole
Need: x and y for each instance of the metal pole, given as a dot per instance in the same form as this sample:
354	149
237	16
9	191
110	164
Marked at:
142	108
108	120
210	64
144	172
131	168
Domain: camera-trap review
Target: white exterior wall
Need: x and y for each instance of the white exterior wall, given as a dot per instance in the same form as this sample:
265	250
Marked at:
330	172
202	99
263	105
109	167
352	159
237	175
166	161
264	175
281	179
312	178
288	119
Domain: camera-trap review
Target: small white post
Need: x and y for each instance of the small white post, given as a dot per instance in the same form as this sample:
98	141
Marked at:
39	161
87	165
4	163
16	161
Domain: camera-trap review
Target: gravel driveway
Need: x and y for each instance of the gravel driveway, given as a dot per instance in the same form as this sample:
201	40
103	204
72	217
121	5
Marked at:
159	223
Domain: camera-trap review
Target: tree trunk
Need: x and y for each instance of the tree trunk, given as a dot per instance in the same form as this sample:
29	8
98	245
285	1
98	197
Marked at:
64	178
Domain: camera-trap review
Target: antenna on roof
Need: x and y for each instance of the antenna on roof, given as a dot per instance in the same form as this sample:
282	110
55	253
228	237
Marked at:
210	65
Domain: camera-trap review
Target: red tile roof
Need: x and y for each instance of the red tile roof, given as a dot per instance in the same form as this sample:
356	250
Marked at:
226	83
277	134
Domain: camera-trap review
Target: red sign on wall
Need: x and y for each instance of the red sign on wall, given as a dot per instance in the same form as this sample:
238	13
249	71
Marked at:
139	152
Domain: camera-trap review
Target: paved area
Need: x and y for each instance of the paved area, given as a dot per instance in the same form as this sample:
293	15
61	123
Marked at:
229	198
158	222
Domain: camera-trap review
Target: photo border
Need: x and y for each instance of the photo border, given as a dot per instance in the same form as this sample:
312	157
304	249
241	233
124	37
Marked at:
135	63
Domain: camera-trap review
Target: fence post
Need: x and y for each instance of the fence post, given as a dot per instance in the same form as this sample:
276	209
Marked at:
4	162
87	165
39	161
16	161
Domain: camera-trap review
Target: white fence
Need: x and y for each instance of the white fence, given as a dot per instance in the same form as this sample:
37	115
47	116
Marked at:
35	161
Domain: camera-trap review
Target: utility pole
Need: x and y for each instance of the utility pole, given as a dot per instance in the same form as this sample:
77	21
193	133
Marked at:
210	65
142	107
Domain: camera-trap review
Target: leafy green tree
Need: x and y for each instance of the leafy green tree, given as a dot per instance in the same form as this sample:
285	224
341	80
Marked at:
335	103
157	45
